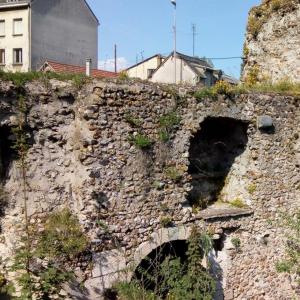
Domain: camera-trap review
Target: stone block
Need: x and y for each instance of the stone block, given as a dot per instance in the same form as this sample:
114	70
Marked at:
264	122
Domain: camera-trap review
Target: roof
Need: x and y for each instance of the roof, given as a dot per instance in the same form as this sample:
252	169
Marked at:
72	69
4	3
145	60
198	65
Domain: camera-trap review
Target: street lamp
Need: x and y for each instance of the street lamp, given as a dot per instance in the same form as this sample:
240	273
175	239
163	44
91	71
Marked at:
174	28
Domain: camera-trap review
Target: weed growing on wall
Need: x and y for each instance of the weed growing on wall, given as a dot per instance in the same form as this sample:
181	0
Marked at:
168	124
140	141
291	263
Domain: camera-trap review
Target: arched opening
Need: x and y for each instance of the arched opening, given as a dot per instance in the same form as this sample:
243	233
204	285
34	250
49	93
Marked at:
7	153
212	153
149	272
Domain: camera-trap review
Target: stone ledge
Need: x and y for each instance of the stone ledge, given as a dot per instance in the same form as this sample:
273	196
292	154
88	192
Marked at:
217	213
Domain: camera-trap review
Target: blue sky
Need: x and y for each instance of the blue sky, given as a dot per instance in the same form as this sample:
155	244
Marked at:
144	28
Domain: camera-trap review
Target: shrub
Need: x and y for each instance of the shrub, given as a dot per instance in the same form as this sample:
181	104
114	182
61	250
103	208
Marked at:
133	120
123	75
62	236
204	93
236	242
251	188
141	141
170	120
166	221
173	173
41	262
291	264
164	136
222	88
167	124
133	291
238	203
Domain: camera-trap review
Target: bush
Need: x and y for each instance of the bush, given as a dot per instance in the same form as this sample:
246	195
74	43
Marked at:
173	173
167	124
204	93
41	262
133	120
238	203
236	242
166	221
141	141
291	264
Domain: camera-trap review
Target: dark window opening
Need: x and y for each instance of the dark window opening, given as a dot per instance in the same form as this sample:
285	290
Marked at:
213	151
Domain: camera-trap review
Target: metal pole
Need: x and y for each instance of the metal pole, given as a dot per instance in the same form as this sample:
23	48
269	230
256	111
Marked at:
194	33
115	58
175	45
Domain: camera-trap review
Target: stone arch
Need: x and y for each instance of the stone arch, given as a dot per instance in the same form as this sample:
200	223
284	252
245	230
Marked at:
157	239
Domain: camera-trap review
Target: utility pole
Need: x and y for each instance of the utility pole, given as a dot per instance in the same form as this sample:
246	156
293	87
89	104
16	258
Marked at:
116	58
194	34
175	42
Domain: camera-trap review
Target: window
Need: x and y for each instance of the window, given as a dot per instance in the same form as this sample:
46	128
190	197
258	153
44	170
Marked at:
2	57
18	56
2	28
17	29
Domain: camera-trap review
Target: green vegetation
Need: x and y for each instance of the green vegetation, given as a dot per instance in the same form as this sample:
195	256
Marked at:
41	268
166	221
178	279
168	123
291	263
251	188
173	173
141	141
133	120
259	15
123	75
252	85
238	203
20	79
236	242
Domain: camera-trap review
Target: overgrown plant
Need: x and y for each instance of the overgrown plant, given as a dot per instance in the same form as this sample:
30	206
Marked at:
173	278
291	263
167	124
54	245
141	141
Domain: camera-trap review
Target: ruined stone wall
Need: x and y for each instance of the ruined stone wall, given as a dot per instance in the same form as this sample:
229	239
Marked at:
81	157
272	46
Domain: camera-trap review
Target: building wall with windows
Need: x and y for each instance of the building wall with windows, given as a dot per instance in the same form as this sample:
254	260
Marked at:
14	40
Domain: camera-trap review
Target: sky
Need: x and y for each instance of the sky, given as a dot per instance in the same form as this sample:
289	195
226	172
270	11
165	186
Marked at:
142	28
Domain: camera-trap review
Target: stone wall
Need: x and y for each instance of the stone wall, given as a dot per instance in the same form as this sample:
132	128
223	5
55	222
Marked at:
82	157
273	41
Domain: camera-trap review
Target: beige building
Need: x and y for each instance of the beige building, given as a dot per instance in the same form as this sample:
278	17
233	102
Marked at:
189	70
146	68
14	37
33	31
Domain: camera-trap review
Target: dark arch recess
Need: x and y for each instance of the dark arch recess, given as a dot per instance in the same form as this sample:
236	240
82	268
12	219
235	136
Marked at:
213	151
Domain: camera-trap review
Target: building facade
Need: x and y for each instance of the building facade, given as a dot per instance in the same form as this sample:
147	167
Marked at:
33	31
190	70
145	68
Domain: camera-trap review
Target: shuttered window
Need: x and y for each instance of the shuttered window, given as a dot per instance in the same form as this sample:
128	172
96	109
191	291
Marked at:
2	57
18	56
2	28
18	27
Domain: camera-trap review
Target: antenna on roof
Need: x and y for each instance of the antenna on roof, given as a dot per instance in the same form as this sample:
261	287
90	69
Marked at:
194	34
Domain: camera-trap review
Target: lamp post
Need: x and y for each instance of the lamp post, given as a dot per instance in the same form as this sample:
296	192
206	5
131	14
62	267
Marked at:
174	28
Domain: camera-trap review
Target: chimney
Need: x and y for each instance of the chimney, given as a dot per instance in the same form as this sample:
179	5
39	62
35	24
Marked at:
88	67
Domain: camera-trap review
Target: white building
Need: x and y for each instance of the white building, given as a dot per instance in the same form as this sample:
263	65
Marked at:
189	70
145	68
33	31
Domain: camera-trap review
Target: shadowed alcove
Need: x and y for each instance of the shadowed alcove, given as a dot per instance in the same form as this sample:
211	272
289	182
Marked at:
212	153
